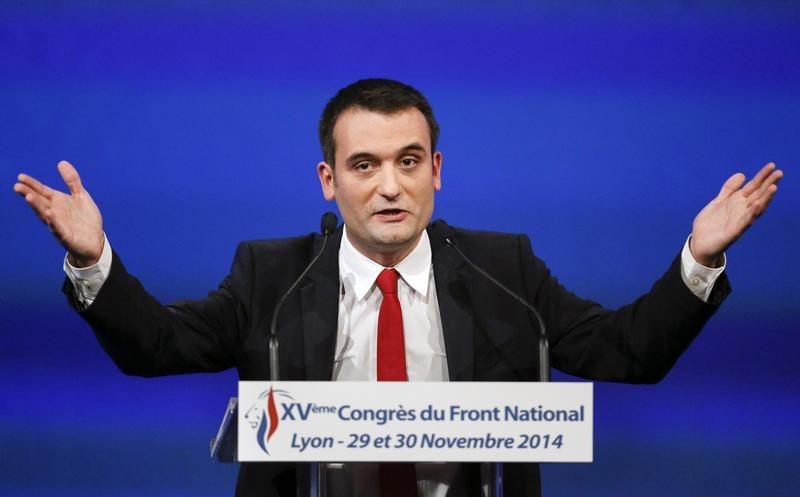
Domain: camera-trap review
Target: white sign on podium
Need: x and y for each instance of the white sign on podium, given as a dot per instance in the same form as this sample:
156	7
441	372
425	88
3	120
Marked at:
421	422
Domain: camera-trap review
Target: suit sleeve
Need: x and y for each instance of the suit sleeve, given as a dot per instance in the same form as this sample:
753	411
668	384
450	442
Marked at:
639	342
145	338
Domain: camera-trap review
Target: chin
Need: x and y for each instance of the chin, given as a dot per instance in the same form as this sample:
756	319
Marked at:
394	240
399	231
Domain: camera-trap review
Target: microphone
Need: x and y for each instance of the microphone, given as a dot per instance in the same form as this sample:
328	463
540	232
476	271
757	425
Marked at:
327	226
328	223
544	348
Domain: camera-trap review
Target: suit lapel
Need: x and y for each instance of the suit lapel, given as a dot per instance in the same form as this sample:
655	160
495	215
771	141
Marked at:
453	282
320	308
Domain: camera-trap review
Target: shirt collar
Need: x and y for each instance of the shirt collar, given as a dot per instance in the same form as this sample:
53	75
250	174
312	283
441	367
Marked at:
359	272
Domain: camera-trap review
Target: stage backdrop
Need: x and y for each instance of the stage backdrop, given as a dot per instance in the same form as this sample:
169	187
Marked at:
599	130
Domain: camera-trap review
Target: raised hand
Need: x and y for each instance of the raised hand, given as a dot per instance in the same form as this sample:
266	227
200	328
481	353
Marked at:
728	216
73	218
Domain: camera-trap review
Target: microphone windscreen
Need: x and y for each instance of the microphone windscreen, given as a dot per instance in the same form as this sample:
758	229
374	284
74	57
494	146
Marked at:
328	224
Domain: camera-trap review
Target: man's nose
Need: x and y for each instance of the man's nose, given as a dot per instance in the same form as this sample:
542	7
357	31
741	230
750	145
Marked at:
389	182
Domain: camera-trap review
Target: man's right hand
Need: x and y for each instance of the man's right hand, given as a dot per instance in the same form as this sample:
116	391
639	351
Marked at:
73	218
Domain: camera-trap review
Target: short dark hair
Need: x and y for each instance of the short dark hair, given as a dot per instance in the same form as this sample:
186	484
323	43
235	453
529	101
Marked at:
375	94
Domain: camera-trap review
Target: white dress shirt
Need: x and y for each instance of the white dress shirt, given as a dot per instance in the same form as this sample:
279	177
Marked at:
360	301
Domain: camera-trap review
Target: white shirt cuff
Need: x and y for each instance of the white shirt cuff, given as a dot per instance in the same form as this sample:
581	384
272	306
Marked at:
698	278
87	281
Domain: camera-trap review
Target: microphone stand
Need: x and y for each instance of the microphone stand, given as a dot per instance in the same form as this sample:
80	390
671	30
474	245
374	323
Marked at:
544	348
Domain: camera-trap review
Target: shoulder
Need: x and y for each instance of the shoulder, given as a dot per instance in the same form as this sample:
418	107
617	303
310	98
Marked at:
277	255
278	246
479	244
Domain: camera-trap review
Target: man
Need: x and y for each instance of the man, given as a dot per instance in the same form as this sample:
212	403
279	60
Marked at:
382	168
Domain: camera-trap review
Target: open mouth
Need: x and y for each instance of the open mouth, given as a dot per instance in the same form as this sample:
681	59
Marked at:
391	214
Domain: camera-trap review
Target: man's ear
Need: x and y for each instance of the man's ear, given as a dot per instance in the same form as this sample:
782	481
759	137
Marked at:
437	171
326	180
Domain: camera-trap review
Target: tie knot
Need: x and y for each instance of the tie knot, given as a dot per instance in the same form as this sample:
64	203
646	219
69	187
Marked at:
387	281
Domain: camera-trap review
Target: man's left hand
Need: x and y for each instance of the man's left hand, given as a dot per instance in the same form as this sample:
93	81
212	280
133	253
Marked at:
728	216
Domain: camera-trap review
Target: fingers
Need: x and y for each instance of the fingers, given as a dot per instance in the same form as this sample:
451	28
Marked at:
766	178
761	199
34	185
21	188
39	203
70	177
731	186
29	192
758	180
769	181
39	196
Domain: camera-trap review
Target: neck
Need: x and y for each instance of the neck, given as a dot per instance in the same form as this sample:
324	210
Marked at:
390	259
386	257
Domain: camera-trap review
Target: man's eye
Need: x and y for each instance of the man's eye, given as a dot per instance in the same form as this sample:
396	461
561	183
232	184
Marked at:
362	166
408	162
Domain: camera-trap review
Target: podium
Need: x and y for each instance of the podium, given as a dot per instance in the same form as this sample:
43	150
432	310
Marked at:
338	432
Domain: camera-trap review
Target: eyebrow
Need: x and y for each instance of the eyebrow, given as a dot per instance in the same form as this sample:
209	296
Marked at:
412	147
359	156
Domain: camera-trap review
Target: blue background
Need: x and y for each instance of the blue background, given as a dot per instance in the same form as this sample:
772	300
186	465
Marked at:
600	129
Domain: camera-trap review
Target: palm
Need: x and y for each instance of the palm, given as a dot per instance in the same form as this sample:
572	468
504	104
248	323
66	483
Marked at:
731	213
73	218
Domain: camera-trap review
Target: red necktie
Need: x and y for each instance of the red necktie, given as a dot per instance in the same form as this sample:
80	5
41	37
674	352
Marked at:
396	480
391	346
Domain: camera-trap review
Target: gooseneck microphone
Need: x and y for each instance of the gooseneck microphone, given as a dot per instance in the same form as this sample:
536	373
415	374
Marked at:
544	348
327	226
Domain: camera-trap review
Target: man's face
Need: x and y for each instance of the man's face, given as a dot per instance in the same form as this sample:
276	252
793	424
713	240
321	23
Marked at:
384	180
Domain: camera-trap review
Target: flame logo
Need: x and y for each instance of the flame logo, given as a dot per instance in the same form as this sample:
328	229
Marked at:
263	416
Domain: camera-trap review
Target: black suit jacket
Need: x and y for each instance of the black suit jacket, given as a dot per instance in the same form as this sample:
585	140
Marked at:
488	336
